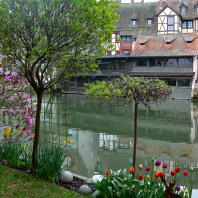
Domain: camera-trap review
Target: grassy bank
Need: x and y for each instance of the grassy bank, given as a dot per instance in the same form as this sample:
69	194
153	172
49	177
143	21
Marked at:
16	184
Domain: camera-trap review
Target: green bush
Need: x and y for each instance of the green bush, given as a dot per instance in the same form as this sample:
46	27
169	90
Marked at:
48	158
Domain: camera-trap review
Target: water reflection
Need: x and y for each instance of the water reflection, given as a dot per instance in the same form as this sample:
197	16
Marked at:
103	138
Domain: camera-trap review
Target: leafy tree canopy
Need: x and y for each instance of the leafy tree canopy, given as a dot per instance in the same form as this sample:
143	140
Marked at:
121	91
55	38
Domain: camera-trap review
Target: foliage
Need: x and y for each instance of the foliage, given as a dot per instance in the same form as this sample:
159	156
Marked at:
120	184
11	153
14	183
48	158
54	39
48	40
126	89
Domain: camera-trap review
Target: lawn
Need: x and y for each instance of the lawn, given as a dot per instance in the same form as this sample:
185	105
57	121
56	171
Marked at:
14	183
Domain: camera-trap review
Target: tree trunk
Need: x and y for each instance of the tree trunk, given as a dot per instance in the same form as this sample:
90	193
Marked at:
135	137
37	129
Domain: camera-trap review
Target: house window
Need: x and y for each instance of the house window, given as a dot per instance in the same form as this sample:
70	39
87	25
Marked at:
196	9
184	24
124	38
142	62
190	24
108	53
181	62
106	66
188	62
119	64
183	10
187	24
149	22
172	62
118	38
155	62
126	52
184	62
170	23
170	82
133	22
117	53
184	82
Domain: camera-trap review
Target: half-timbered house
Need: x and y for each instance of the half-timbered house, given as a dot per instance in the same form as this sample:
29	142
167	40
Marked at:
156	39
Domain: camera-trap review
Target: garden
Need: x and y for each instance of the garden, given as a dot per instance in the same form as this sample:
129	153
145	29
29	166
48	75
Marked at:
44	44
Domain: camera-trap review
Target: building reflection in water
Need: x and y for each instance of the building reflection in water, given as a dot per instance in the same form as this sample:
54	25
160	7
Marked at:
103	138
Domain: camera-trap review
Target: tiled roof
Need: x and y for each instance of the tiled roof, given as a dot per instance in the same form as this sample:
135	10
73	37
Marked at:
190	4
141	12
157	46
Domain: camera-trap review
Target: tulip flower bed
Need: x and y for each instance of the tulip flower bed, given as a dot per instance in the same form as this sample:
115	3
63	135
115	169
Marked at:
153	184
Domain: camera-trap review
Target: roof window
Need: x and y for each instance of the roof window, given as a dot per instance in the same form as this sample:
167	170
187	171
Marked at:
183	9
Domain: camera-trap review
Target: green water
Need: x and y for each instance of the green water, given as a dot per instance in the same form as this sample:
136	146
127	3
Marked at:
103	138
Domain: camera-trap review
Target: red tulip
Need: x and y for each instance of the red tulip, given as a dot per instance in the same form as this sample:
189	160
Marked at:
165	165
177	169
141	177
157	174
185	172
5	135
107	172
148	168
140	166
172	183
173	172
161	174
132	170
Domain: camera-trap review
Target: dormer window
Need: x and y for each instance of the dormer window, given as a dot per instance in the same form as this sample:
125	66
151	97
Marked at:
149	22
183	9
133	22
196	9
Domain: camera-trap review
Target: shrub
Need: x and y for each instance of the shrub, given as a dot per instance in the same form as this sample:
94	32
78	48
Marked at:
48	158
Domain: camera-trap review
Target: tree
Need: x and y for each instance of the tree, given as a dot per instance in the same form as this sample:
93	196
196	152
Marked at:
121	91
52	40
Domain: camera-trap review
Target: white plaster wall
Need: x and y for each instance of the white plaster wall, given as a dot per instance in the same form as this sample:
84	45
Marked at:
195	65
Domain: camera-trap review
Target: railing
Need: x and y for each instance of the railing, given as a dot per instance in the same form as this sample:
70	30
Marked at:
163	69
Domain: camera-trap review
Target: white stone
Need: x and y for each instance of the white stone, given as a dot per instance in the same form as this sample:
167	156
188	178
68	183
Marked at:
84	189
96	178
66	177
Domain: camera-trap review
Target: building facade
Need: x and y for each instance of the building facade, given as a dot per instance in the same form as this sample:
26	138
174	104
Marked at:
154	39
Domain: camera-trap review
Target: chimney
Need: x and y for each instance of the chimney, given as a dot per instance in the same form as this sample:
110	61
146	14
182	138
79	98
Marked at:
132	1
160	5
142	1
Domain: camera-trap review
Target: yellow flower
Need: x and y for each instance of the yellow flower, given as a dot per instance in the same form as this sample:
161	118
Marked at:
33	134
17	131
147	176
64	142
25	147
12	134
50	135
7	132
70	141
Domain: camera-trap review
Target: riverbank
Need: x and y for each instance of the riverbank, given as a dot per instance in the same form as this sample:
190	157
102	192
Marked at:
17	184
